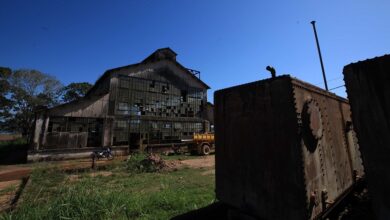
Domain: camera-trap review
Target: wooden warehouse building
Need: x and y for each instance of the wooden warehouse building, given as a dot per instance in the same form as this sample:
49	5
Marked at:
155	101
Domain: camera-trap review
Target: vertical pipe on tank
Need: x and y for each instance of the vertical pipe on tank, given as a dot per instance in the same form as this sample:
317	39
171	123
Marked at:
319	53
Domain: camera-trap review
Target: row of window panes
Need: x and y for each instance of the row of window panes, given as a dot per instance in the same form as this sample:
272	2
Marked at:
126	109
72	124
133	102
146	125
155	98
144	103
143	85
137	84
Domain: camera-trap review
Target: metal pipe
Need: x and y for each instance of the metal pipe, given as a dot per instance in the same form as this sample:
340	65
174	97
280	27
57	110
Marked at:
272	71
319	53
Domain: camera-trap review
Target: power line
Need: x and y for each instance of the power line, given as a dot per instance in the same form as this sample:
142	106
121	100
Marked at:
335	79
337	87
331	80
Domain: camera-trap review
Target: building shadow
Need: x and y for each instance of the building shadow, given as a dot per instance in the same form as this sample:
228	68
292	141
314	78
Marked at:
13	154
214	211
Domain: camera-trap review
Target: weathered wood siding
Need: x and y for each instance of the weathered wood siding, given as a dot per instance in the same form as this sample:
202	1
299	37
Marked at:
93	107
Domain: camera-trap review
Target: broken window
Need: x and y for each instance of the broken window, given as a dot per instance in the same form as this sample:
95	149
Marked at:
184	95
167	125
57	124
123	106
153	84
55	127
158	98
154	125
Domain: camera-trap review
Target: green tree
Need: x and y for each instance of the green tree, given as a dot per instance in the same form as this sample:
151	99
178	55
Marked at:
5	101
74	91
28	90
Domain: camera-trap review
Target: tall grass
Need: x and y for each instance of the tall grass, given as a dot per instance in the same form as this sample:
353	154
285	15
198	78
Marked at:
53	195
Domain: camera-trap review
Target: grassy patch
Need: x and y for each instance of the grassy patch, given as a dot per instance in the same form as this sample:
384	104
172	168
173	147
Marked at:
11	145
123	195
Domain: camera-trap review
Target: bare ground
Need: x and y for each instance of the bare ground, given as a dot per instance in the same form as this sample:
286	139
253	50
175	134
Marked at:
201	162
14	172
8	190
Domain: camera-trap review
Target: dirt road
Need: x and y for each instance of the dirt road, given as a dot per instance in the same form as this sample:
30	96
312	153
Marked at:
17	172
201	162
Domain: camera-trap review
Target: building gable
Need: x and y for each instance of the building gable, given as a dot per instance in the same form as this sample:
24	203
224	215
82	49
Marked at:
161	58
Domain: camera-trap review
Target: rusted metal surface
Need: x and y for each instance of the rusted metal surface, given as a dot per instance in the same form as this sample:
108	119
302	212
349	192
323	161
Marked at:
283	150
368	88
327	154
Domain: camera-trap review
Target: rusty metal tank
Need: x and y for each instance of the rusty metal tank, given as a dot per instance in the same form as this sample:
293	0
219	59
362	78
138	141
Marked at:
285	149
368	88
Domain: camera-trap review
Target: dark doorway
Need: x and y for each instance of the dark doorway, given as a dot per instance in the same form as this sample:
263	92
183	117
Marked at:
134	141
95	133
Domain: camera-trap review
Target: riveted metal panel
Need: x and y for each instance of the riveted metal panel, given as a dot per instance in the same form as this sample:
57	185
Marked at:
329	165
281	148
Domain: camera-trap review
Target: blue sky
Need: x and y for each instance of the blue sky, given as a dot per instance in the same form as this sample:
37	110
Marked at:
230	42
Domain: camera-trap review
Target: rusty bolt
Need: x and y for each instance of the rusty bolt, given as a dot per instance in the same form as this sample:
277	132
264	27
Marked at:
313	198
324	198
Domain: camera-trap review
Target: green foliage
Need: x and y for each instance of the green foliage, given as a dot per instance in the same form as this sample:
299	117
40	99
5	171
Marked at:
34	87
141	162
53	195
9	146
4	75
5	102
74	91
133	162
26	91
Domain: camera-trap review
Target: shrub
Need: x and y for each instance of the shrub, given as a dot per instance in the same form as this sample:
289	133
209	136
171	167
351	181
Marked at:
141	162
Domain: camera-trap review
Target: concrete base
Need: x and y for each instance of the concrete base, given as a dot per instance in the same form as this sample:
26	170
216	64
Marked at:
70	153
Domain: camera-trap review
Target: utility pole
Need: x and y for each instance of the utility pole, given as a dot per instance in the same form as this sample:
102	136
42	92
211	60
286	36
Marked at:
319	53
